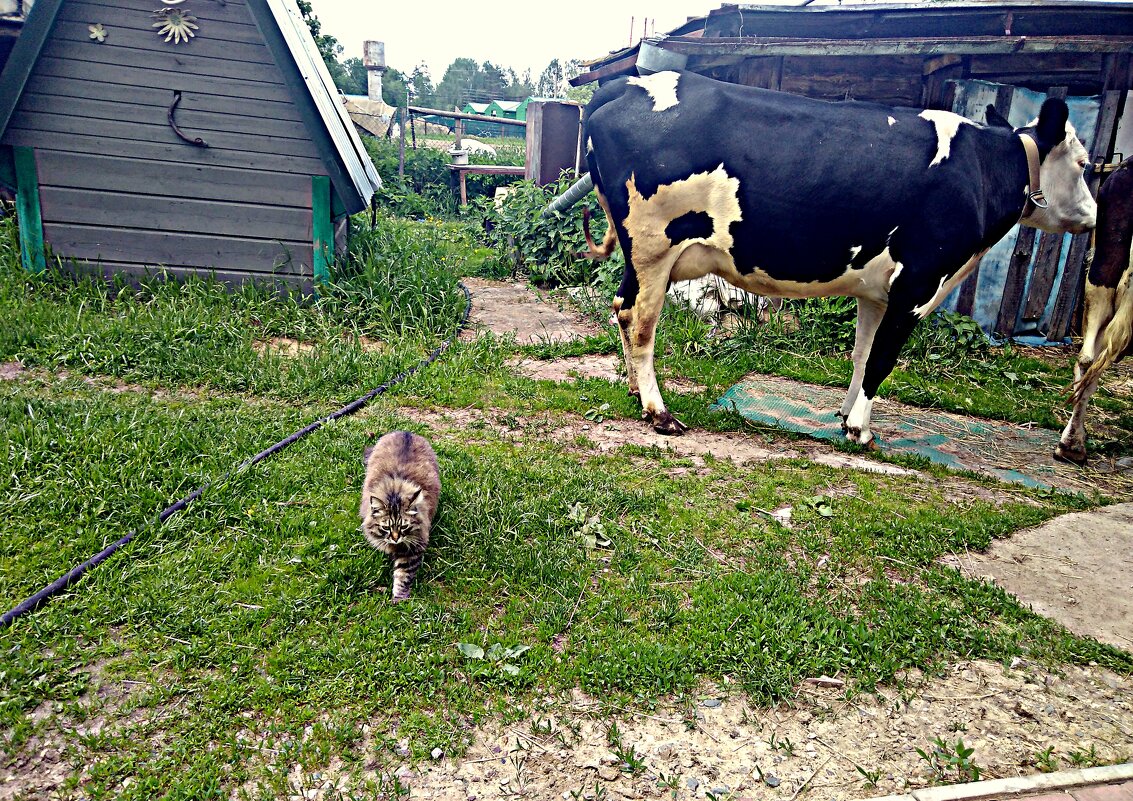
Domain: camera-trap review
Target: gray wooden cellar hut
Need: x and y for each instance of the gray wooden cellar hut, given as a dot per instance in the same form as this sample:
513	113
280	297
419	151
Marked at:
179	135
959	56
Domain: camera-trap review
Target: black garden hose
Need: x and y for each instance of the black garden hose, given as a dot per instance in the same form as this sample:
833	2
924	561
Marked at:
33	602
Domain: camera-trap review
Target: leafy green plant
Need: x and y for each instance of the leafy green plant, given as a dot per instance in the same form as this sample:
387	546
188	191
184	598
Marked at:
1084	758
950	761
592	531
1045	760
497	655
547	248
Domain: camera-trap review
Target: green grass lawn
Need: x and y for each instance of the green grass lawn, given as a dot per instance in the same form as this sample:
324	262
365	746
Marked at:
260	612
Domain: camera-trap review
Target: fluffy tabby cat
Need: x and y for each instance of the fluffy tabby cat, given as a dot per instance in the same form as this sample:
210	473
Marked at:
399	499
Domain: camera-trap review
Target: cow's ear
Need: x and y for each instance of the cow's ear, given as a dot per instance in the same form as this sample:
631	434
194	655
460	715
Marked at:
1051	127
995	119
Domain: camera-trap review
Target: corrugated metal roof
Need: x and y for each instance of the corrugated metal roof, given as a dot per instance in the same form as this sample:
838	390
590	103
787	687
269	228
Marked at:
325	96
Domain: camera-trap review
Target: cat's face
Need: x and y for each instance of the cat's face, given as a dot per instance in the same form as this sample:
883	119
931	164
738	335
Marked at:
394	521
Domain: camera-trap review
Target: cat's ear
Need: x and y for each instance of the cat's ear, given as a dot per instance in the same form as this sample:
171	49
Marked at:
366	454
412	501
375	505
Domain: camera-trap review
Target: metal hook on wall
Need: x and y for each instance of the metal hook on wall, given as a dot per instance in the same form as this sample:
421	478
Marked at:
172	124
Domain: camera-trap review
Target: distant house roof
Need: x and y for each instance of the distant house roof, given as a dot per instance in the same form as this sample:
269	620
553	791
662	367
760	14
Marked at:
288	38
475	108
507	105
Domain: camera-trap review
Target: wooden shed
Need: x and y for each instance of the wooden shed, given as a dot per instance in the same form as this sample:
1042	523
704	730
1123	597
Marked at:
958	56
179	135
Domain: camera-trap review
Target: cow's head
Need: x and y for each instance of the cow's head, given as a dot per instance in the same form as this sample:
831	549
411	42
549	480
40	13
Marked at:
1069	204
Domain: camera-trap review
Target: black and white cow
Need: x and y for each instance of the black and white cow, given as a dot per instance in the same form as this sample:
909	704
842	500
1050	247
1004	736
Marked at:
788	196
1107	334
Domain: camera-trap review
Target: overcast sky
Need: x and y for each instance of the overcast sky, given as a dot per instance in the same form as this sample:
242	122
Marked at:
521	34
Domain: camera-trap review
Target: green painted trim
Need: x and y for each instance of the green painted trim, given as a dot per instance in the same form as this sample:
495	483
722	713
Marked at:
27	210
322	227
24	54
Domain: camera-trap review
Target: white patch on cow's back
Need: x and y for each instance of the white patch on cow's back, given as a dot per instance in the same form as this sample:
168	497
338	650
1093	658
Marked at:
589	145
661	86
854	251
892	121
947	126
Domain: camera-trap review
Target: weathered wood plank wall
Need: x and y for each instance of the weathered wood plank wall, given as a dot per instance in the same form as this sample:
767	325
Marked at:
118	187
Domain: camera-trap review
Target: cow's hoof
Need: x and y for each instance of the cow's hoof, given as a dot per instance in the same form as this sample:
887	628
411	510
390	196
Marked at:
665	423
854	436
1065	453
634	393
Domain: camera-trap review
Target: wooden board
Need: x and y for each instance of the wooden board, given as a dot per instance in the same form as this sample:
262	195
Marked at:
143	95
169	153
66	126
161	178
174	214
1016	280
188	118
157	248
136	273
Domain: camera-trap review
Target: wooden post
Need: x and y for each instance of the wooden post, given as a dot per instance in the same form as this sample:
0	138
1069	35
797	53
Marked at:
463	190
1016	280
322	228
404	114
459	134
28	212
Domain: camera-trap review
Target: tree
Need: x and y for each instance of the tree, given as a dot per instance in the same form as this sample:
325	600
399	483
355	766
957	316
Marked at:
455	87
421	91
551	80
393	87
357	82
328	46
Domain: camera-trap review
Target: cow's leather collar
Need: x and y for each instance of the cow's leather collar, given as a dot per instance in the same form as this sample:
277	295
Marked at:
1034	192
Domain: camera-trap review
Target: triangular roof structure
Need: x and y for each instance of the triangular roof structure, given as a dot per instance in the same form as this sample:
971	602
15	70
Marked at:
288	38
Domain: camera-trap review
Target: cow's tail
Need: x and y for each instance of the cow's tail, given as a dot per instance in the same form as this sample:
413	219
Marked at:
1117	337
609	241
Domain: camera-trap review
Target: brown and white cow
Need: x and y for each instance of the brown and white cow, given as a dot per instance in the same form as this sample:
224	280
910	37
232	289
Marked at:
787	196
1107	334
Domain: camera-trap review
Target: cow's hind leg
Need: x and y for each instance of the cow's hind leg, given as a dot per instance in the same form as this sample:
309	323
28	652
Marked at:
638	311
1071	446
870	313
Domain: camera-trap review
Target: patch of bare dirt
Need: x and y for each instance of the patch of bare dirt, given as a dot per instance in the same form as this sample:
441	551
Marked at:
10	371
809	748
576	433
284	346
568	369
516	308
1074	569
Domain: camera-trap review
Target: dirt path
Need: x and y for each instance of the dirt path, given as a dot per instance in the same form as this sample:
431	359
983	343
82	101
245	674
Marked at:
818	746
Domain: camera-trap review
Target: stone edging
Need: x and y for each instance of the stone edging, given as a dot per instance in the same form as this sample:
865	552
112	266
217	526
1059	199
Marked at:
1021	785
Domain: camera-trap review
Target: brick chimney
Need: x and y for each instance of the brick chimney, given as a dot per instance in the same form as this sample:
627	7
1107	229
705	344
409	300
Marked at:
374	59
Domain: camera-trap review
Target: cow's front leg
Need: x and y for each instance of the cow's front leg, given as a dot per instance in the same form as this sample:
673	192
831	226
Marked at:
870	313
639	331
897	323
1071	445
